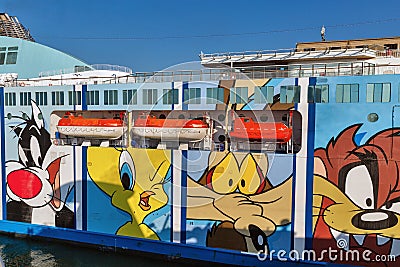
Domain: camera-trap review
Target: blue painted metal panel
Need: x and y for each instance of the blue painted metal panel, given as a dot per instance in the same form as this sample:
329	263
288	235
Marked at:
84	189
84	102
310	170
170	250
185	85
184	195
296	82
3	153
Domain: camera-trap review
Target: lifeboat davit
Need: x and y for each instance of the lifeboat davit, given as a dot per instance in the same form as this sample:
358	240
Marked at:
91	128
148	126
247	128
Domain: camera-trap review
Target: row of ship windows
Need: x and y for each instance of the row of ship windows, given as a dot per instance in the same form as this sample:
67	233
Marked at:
8	55
345	93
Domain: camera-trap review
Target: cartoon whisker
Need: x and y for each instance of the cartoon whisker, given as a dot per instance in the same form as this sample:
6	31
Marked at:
320	208
16	126
59	199
321	195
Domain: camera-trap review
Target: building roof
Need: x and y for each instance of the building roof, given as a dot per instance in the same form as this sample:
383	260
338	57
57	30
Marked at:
11	27
372	43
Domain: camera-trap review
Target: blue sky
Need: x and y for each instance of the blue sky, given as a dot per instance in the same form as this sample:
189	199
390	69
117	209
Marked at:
137	34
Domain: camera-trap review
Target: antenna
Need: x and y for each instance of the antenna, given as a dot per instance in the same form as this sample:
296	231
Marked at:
323	33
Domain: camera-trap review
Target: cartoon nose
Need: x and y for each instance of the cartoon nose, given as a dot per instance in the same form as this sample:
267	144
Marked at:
24	184
258	238
374	220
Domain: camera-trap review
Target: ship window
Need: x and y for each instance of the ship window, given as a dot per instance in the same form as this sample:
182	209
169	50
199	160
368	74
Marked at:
41	98
192	95
12	55
347	93
391	46
129	97
2	55
149	96
378	92
239	95
74	97
24	98
10	99
92	98
215	95
264	94
290	94
318	93
170	96
57	98
110	97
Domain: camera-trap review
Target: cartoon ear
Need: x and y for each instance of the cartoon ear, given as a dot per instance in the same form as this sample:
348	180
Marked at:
319	167
37	115
17	130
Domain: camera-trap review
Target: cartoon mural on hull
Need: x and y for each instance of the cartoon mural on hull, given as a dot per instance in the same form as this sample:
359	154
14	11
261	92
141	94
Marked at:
234	177
134	180
38	184
233	192
357	196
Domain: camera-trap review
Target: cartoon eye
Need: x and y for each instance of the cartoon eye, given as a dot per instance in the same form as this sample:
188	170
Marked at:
22	155
127	171
35	151
393	206
252	178
359	187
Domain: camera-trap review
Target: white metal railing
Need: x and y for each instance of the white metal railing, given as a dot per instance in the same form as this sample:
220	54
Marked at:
389	53
246	53
78	69
315	70
111	68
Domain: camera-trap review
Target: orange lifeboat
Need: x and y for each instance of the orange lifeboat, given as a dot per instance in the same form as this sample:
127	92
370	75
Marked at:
148	126
247	128
78	126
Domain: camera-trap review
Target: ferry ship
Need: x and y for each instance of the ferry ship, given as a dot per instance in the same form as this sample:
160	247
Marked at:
258	158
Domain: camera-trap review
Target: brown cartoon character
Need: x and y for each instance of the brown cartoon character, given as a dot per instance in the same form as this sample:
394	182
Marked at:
237	188
357	195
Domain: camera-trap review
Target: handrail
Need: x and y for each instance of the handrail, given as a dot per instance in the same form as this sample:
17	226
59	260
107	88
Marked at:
376	48
315	70
78	69
246	53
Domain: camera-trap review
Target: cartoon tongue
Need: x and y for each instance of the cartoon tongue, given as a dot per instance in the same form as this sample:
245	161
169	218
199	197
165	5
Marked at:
54	178
144	200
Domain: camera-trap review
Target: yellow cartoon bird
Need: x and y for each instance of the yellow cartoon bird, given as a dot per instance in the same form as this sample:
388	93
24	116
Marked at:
133	179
